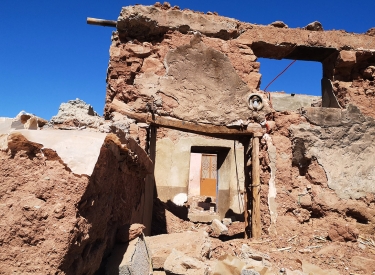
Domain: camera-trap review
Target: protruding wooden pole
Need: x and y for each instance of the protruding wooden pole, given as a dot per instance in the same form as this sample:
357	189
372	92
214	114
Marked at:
101	22
256	228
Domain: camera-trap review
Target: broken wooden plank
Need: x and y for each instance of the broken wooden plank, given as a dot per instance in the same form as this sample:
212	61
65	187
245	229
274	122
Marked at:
187	126
283	249
101	22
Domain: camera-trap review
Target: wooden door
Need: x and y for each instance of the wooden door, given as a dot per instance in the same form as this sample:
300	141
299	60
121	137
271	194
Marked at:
208	175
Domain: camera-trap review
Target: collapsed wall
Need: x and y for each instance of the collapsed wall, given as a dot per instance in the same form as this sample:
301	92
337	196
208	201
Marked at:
198	72
66	196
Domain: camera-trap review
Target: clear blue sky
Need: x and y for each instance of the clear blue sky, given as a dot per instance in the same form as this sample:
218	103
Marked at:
49	55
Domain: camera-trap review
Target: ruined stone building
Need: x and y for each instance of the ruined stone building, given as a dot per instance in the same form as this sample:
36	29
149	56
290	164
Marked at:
198	73
185	89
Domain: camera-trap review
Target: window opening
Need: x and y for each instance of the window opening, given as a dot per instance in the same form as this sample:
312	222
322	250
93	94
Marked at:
302	77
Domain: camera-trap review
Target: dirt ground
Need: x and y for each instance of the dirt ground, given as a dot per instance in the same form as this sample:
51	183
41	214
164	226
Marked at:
295	243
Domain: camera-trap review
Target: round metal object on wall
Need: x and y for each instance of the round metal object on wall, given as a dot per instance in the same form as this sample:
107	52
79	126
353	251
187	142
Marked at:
255	102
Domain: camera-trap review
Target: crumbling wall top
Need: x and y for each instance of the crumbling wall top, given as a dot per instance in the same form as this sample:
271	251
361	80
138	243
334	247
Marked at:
272	41
145	22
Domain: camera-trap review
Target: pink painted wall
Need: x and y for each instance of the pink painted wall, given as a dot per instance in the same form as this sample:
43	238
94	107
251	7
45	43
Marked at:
195	174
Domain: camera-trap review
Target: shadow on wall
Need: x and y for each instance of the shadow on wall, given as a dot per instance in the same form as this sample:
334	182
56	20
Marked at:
159	221
100	211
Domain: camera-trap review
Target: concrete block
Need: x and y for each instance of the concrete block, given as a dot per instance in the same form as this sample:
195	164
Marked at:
346	59
219	228
203	217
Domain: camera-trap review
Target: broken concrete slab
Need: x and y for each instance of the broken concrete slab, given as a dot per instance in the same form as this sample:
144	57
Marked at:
79	150
202	217
218	228
192	244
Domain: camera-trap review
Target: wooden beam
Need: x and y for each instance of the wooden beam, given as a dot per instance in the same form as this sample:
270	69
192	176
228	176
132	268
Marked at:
256	228
101	22
247	162
186	126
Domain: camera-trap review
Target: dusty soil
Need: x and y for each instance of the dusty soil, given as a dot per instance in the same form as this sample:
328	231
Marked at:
37	198
293	244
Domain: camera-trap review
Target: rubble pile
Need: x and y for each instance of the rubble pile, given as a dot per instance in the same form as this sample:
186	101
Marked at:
61	199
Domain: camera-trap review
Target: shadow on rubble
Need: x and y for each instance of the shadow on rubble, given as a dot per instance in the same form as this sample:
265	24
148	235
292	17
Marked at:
179	211
225	238
235	216
159	220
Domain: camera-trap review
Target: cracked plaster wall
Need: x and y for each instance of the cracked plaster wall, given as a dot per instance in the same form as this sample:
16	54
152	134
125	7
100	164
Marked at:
342	141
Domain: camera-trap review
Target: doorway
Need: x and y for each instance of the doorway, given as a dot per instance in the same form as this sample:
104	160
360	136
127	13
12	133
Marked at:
209	182
203	182
208	178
